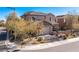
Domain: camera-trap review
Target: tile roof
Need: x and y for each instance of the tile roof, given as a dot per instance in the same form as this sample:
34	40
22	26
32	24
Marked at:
36	13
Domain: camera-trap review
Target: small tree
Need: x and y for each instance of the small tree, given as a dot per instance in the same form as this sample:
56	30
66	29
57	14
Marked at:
2	24
71	17
34	28
15	26
75	25
21	28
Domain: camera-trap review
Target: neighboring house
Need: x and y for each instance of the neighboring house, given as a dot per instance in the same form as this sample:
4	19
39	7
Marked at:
66	21
48	19
61	20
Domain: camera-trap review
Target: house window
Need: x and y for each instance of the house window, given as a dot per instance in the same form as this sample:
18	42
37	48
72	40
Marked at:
33	18
50	18
55	20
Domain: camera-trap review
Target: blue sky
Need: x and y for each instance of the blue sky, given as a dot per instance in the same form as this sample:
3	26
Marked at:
21	10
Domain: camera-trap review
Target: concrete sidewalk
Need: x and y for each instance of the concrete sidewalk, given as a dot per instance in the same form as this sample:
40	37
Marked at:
71	45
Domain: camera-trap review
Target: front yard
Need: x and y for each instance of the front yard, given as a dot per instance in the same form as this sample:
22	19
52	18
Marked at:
61	36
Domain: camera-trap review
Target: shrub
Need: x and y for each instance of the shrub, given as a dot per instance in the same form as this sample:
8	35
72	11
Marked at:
39	39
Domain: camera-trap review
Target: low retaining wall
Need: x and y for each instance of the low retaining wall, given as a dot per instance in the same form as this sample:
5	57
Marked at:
65	45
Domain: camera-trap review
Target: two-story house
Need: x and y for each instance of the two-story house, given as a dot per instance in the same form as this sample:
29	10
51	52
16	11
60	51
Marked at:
48	19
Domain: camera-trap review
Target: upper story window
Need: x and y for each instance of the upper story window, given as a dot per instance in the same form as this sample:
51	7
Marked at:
50	19
55	20
33	18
